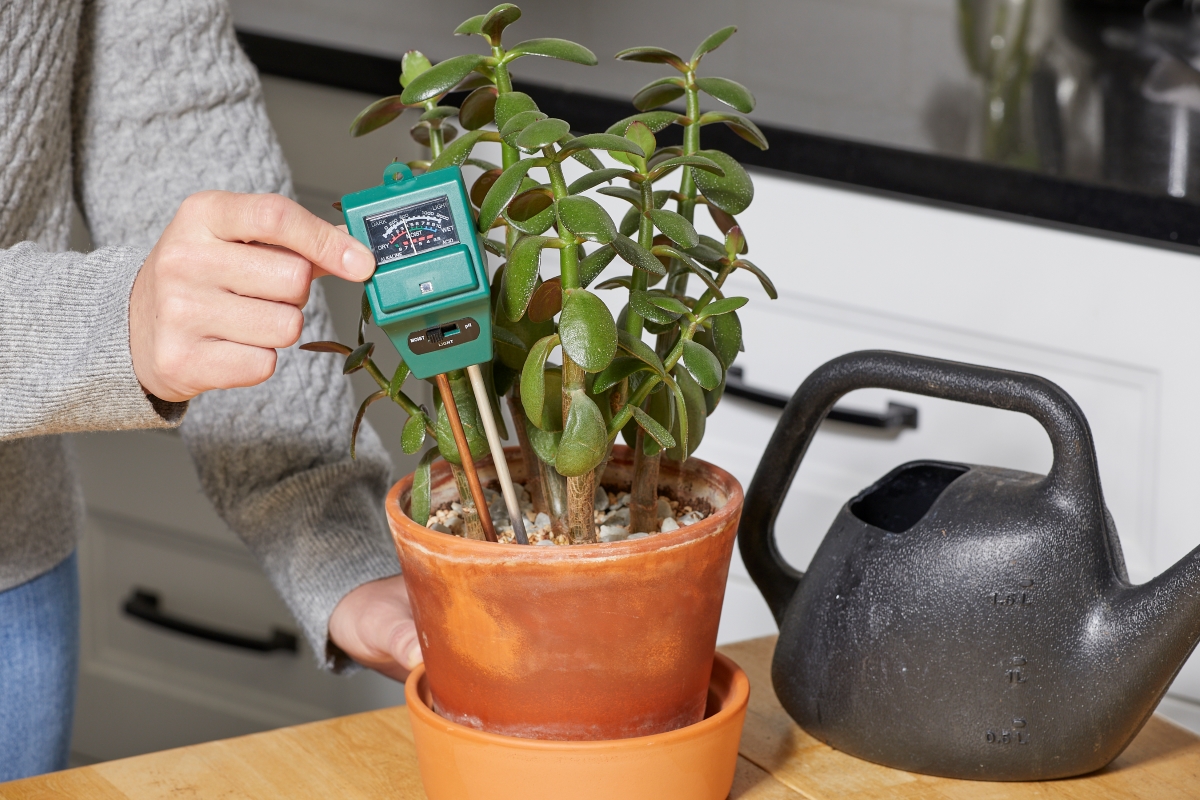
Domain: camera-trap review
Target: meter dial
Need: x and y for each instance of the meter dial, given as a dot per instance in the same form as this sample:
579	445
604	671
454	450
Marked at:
404	232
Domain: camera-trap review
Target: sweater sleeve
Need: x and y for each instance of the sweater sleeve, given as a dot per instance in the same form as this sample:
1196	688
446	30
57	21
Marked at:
65	365
167	105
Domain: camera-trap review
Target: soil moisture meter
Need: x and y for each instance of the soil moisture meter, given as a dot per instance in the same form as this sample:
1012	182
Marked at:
430	291
430	296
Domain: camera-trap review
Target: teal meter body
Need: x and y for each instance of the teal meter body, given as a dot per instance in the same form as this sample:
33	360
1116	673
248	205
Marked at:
430	291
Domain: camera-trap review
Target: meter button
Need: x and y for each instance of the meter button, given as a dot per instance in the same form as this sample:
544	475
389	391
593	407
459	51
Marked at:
424	278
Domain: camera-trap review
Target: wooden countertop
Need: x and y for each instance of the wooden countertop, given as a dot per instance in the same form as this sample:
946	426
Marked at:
371	756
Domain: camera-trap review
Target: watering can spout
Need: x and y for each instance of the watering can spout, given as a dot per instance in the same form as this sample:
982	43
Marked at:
1165	613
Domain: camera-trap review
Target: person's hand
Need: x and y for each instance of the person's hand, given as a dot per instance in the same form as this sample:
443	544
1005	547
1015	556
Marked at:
223	288
373	625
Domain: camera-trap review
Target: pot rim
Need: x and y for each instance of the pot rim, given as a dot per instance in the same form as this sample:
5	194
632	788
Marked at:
736	701
435	542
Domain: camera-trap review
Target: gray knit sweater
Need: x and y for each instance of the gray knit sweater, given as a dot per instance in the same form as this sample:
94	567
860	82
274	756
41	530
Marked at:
126	107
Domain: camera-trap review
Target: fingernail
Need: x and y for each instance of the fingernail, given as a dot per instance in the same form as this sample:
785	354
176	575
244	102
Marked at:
413	657
358	262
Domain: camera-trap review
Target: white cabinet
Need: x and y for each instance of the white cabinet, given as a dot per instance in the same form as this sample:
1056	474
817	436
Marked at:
1108	321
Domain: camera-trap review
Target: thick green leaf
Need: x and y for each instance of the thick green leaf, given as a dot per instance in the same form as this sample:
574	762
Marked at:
521	274
584	217
533	380
601	141
713	42
356	360
631	222
529	204
358	418
546	301
739	125
729	92
326	347
652	55
561	49
641	351
482	184
587	330
595	178
481	164
479	108
654	120
510	104
544	443
652	427
376	115
704	366
412	64
503	337
713	397
418	504
637	256
397	382
470	26
619	282
468	413
675	227
440	78
723	221
727	337
542	132
733	192
697	162
413	435
620	369
640	303
631	196
735	242
686	261
767	285
584	442
657	94
666	302
533	226
495	21
709	251
690	415
518	123
455	154
595	263
726	305
585	157
674	151
639	133
502	192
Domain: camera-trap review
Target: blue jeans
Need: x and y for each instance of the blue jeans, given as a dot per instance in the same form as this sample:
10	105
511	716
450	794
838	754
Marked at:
39	659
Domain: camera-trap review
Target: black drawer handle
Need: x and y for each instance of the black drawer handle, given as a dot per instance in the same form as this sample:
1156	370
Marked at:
897	416
143	604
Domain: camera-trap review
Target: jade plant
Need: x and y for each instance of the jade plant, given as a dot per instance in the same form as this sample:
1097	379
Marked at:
611	382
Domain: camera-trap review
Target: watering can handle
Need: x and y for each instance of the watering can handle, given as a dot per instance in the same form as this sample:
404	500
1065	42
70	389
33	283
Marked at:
1074	476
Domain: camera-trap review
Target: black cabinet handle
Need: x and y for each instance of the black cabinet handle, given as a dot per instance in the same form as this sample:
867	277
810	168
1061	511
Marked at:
143	605
897	416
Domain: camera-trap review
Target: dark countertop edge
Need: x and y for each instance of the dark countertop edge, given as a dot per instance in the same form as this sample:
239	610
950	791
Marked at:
959	183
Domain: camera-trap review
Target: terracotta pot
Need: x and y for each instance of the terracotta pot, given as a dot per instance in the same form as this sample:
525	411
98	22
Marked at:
600	641
692	763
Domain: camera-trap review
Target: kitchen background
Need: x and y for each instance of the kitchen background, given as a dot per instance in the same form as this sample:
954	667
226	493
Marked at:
1031	208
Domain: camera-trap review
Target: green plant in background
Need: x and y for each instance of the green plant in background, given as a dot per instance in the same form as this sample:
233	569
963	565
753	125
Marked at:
610	382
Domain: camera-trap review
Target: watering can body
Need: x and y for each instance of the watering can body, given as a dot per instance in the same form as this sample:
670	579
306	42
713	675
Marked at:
961	620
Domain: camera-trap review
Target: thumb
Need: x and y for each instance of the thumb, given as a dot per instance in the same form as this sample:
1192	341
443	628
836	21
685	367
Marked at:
405	647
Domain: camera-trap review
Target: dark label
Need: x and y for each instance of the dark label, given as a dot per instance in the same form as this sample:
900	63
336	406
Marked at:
442	336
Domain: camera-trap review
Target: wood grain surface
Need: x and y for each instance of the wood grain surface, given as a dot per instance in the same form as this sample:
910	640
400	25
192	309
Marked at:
371	756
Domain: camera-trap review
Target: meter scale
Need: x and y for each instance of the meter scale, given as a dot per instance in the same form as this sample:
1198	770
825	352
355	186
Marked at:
404	232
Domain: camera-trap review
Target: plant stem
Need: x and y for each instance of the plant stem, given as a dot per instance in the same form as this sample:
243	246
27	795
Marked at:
464	453
529	458
643	493
472	527
678	280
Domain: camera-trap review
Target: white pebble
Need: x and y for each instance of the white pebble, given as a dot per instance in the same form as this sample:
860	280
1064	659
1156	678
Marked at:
545	543
613	533
637	536
618	517
542	520
669	524
622	500
664	508
456	507
691	518
600	499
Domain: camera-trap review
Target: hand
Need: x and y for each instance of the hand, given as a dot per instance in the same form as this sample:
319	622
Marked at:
373	624
225	286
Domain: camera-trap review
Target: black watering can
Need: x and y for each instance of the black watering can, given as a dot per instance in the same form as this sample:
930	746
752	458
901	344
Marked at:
960	620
